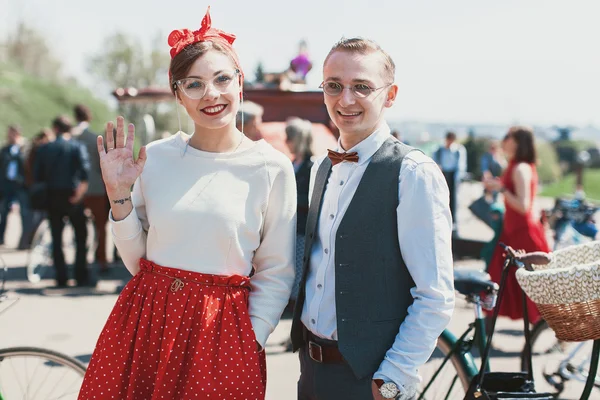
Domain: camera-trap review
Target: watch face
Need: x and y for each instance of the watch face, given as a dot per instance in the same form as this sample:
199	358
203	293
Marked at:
389	390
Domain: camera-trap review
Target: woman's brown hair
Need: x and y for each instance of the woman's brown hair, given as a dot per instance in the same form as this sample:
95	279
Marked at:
525	140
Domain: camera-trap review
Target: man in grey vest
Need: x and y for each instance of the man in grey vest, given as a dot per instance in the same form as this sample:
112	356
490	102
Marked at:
377	281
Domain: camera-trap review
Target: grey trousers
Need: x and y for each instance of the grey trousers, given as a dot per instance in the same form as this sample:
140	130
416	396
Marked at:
330	381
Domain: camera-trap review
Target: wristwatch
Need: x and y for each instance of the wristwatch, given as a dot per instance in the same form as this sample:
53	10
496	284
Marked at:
388	390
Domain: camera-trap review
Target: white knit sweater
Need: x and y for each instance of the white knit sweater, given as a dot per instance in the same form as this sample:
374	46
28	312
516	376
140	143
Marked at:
217	213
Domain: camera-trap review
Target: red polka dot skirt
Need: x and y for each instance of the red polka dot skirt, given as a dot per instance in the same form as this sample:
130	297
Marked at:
176	334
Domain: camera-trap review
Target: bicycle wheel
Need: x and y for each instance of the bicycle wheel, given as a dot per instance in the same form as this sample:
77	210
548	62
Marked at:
70	243
451	381
34	373
92	238
558	366
39	259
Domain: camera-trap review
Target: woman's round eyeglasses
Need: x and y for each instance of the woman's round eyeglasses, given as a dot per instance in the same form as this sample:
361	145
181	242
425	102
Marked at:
196	88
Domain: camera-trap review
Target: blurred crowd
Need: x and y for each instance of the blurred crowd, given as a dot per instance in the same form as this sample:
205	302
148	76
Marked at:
56	176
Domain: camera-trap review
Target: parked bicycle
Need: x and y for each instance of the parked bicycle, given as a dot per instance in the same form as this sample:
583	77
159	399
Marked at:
565	289
452	366
572	221
31	373
565	364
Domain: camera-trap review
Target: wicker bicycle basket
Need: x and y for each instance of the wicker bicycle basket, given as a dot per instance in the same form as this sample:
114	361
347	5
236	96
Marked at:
567	291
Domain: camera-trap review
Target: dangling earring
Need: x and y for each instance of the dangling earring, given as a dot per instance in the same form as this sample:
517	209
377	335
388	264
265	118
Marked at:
187	143
242	111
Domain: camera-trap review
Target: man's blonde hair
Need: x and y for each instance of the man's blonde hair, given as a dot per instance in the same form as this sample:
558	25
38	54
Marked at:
365	46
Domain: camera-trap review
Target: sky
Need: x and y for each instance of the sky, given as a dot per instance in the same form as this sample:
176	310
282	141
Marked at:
475	61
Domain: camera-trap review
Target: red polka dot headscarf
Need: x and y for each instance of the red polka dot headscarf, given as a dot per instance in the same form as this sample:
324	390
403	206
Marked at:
181	38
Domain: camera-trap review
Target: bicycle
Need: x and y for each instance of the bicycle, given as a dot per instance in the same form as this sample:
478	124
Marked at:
452	366
566	363
572	221
31	373
571	361
39	260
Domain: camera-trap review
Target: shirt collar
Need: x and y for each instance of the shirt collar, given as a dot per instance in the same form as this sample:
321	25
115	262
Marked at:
370	144
453	146
82	126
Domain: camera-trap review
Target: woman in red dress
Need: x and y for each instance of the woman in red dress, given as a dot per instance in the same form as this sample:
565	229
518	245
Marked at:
522	229
208	235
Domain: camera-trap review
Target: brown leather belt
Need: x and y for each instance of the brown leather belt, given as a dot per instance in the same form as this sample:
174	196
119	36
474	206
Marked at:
320	352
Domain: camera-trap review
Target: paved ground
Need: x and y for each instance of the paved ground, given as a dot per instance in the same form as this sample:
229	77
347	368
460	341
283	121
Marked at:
70	320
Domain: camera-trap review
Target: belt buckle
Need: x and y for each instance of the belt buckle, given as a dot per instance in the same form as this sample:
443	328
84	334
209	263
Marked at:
177	285
314	348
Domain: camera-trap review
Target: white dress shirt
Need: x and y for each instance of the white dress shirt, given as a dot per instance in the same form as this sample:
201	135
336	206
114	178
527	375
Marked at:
12	168
453	159
424	236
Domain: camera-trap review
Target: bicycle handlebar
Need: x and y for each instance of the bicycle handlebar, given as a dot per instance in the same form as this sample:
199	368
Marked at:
513	258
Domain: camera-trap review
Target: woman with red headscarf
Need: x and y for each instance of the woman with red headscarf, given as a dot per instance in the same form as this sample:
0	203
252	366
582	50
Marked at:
208	233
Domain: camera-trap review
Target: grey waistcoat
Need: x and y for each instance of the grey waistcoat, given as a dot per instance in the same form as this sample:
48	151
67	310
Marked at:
372	282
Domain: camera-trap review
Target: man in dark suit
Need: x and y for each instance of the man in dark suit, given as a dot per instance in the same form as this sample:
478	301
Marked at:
64	166
377	282
12	183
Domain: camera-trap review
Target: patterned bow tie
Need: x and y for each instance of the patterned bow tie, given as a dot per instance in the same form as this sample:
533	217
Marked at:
337	158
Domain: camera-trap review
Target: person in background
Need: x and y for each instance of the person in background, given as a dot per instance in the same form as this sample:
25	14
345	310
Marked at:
300	65
522	229
63	165
37	216
43	137
12	184
95	198
249	119
398	135
492	165
452	159
298	134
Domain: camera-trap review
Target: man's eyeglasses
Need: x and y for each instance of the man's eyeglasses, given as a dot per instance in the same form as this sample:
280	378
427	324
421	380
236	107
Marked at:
360	90
196	89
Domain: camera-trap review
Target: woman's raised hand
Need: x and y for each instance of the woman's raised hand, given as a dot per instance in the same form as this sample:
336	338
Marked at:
119	169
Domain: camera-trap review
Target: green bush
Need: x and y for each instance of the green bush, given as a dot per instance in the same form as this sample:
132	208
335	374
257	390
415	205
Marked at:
476	147
567	151
548	165
33	103
566	186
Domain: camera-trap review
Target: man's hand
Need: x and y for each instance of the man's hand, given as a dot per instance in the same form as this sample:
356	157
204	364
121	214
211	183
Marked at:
376	394
79	193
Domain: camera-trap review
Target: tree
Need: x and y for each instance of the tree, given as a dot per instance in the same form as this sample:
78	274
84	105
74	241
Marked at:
26	48
259	75
123	62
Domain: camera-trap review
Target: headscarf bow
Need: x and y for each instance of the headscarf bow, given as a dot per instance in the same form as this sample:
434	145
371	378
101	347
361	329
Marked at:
179	39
